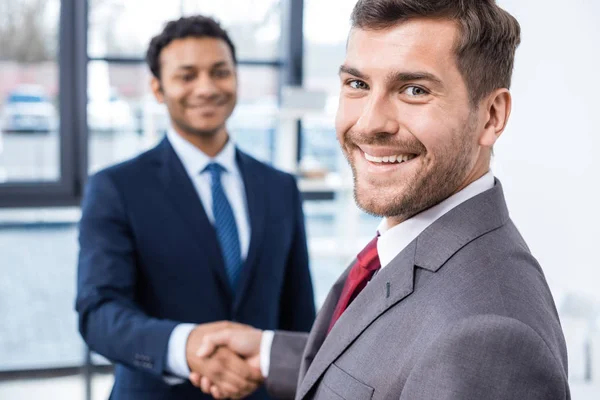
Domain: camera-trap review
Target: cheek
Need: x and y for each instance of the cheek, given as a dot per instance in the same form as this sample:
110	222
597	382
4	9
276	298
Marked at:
228	87
429	126
348	114
175	94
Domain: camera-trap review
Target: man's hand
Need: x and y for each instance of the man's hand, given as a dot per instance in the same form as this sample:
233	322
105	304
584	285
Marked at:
230	375
241	339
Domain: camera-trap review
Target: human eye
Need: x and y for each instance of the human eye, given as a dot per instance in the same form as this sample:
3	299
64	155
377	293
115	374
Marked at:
415	91
357	84
187	77
222	73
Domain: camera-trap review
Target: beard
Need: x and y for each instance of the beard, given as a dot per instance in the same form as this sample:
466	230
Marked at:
435	179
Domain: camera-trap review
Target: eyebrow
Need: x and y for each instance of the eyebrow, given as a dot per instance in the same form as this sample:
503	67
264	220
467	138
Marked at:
218	64
414	76
344	69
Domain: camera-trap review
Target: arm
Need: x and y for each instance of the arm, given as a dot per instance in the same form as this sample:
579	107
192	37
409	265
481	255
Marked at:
487	357
297	311
110	320
285	360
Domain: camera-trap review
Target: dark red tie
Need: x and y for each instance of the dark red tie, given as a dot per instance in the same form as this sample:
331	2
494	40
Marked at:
361	273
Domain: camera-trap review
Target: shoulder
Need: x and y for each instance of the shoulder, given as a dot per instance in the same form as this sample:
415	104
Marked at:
493	356
130	171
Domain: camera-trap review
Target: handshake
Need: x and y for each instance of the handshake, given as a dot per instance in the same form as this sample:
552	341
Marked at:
224	359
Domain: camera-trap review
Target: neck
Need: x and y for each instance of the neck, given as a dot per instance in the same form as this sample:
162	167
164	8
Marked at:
211	145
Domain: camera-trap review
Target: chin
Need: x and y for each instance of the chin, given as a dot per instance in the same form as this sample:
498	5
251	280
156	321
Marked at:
206	130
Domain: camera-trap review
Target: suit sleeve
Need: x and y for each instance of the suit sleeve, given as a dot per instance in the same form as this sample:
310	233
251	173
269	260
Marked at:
297	310
286	357
110	320
488	357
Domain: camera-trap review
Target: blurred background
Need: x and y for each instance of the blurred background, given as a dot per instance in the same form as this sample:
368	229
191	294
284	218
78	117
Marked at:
74	98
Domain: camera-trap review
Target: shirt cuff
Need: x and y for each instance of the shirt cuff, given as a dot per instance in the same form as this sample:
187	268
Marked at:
176	359
265	352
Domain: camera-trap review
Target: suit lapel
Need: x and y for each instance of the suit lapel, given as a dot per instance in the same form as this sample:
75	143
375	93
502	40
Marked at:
181	192
430	250
321	324
255	188
388	287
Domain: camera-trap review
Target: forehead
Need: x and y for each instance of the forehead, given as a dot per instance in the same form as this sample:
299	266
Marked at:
199	52
418	44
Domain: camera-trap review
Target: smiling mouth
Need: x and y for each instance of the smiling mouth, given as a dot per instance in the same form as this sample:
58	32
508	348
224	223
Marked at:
203	106
392	159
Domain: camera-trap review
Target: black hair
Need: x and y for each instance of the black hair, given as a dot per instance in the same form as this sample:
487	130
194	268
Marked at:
195	26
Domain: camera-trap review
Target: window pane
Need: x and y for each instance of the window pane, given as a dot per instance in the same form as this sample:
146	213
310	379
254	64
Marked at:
37	289
29	121
254	25
124	118
326	27
116	28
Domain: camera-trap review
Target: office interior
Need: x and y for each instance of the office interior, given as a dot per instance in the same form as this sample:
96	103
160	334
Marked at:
75	98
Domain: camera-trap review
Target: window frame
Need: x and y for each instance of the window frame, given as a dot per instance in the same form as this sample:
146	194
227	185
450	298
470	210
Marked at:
66	191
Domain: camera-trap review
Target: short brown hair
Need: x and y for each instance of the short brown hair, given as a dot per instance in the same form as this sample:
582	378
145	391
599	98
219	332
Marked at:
488	38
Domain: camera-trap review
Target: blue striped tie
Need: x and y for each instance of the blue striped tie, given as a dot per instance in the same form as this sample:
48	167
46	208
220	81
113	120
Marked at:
225	226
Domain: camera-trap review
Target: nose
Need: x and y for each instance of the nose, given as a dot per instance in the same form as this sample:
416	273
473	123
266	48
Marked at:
205	86
377	117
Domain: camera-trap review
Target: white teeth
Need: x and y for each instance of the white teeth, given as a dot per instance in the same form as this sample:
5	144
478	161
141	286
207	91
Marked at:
390	159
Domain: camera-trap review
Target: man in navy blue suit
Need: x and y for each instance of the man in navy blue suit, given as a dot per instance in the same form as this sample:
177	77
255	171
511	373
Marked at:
191	232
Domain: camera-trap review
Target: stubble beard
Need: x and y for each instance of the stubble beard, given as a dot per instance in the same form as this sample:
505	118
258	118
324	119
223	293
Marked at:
430	185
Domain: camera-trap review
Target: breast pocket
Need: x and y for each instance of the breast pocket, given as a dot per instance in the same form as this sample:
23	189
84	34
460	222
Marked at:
339	385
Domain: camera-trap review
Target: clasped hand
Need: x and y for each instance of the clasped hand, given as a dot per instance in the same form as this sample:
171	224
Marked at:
224	359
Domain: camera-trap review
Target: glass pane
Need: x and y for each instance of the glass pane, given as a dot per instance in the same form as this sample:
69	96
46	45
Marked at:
29	121
37	290
125	119
326	27
117	30
70	387
254	25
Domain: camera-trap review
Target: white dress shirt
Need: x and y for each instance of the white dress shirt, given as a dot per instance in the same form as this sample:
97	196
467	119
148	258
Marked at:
194	161
395	239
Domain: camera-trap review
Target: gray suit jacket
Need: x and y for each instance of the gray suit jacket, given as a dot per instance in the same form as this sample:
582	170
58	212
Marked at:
463	312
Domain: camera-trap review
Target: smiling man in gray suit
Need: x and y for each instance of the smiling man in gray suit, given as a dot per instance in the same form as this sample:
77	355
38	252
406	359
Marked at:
456	307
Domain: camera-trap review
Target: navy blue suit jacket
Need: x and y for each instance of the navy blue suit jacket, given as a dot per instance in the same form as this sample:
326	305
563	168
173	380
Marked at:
150	259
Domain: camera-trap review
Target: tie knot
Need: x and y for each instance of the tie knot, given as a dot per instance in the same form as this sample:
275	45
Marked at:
214	169
368	258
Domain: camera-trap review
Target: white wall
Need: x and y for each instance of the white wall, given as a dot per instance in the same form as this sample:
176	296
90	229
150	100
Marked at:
546	158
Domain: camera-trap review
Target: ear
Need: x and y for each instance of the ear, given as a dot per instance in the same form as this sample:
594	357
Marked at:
497	111
157	90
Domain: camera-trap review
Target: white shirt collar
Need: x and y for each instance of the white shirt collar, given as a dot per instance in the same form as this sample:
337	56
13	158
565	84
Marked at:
393	240
194	160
